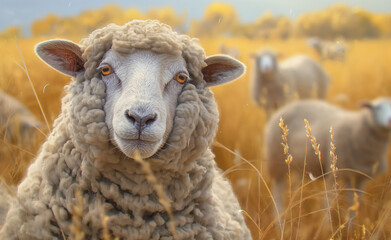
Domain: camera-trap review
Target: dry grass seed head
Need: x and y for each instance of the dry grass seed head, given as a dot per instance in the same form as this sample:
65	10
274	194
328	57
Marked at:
334	157
76	227
314	144
284	143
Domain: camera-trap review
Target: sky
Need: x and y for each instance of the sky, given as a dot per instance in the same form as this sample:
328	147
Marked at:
24	12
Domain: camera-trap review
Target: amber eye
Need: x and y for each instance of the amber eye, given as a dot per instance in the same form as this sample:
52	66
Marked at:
106	70
181	77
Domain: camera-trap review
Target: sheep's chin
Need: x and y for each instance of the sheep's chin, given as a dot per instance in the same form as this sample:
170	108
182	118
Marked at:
131	148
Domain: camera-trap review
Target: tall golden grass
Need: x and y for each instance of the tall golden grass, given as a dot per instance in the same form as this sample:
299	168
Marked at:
365	74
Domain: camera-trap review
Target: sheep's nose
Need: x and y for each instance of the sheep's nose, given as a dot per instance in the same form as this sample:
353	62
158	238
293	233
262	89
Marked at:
140	122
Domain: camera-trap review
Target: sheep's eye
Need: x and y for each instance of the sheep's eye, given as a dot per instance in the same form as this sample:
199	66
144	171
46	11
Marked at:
180	77
106	70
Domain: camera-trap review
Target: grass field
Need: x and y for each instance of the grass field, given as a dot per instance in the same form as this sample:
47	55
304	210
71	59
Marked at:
365	74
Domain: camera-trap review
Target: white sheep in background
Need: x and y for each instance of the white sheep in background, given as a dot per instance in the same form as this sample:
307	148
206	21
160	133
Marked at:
361	140
16	121
141	88
276	84
328	50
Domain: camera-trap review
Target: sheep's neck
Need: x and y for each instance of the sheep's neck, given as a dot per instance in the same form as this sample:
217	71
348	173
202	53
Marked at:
134	180
268	77
269	82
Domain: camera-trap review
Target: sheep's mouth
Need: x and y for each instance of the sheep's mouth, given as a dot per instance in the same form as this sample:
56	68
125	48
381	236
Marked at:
137	136
130	146
138	142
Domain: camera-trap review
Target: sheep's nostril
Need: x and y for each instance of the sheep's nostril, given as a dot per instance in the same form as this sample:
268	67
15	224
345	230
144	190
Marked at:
133	118
140	122
149	119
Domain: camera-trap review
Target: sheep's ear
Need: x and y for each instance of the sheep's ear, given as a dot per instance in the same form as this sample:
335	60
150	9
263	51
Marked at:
62	55
365	104
221	69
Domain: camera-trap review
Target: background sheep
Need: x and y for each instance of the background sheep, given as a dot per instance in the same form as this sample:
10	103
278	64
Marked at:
16	121
275	84
140	88
17	138
328	50
361	140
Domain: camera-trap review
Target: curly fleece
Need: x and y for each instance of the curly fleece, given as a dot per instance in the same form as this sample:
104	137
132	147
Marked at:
78	157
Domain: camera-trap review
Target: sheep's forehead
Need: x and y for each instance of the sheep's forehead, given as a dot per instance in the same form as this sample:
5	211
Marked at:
384	106
143	60
266	61
382	111
142	34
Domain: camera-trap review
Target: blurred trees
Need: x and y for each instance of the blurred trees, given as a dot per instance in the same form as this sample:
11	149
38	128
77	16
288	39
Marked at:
268	26
90	20
383	22
221	19
168	16
45	26
11	32
336	22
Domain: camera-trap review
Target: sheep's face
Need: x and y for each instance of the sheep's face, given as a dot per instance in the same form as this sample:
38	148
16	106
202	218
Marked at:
142	90
381	111
266	63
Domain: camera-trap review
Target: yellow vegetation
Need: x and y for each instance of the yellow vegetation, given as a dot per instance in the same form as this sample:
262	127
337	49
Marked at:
365	74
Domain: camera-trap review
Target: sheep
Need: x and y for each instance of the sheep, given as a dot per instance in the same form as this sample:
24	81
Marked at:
16	121
328	50
18	128
274	85
361	139
137	90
